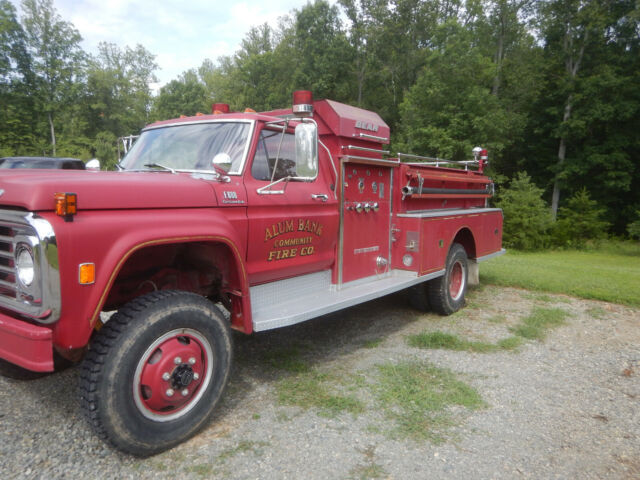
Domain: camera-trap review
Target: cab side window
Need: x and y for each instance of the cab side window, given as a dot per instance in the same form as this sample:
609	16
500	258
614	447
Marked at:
264	161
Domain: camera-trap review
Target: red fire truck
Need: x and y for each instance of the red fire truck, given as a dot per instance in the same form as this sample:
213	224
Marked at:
279	217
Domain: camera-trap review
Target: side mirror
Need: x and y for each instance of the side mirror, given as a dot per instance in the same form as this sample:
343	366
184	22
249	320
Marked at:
307	151
222	161
93	165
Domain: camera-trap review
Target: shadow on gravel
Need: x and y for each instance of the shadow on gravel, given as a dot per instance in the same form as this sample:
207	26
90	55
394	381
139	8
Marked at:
313	343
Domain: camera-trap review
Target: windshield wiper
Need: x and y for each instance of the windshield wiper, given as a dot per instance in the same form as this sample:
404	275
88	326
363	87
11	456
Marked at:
157	165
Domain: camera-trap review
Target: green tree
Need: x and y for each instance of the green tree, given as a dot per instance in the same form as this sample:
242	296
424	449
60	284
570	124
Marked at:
185	96
323	52
15	79
450	109
527	218
57	62
584	129
580	221
119	96
634	227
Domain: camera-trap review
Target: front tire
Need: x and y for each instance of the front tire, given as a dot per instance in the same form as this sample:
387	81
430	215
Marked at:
155	371
446	293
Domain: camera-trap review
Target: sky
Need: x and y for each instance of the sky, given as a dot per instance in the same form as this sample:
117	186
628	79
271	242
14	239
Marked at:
180	33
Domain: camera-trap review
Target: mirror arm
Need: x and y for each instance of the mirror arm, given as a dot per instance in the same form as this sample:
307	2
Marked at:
333	167
285	126
266	190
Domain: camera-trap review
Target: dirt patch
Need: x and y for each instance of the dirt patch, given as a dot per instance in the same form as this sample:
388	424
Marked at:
316	401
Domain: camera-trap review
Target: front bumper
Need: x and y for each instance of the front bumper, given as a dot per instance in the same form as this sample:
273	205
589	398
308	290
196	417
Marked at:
26	345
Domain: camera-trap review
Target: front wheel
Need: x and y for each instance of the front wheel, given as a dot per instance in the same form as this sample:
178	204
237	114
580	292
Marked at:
155	371
446	293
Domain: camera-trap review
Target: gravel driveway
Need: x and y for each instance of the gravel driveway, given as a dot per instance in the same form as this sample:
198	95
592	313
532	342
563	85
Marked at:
567	406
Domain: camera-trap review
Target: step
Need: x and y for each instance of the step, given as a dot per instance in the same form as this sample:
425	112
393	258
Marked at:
294	300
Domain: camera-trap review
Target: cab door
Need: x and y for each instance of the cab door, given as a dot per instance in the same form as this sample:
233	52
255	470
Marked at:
292	224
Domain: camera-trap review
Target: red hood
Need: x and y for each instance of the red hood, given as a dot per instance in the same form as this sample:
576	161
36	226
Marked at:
34	189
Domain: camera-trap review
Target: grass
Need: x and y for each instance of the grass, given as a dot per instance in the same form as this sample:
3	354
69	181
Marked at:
418	396
307	387
203	470
242	446
316	390
453	342
373	343
368	471
535	325
544	298
415	396
610	272
287	359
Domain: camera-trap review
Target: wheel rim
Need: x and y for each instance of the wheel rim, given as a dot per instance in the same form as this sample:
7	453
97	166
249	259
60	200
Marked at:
456	281
172	375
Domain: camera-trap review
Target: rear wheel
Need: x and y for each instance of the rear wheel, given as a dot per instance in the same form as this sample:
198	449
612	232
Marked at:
419	297
446	293
155	371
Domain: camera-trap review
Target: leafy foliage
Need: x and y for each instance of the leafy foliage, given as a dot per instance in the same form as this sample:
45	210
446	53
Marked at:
634	227
579	222
549	87
527	218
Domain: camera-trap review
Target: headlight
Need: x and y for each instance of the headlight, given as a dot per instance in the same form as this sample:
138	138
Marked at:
25	266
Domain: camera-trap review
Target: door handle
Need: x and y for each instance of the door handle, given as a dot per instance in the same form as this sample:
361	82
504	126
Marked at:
320	196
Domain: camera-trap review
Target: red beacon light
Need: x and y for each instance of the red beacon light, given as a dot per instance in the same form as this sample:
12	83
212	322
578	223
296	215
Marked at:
481	155
302	103
220	108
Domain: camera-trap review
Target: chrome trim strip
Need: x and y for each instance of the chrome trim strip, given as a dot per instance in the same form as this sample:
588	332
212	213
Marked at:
491	255
373	137
45	251
447	213
341	225
377	161
364	149
435	160
390	215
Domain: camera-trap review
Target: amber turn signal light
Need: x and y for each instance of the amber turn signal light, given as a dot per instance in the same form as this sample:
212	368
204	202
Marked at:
66	204
87	273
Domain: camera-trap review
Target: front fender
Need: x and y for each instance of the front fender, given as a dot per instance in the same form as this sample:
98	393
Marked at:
109	238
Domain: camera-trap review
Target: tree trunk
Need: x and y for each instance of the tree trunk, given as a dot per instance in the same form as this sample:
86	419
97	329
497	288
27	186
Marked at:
572	66
361	76
562	152
499	57
53	135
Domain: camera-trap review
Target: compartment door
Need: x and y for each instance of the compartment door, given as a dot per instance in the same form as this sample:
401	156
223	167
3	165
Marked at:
366	221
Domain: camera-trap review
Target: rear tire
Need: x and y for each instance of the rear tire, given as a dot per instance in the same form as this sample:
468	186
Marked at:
155	372
419	297
446	293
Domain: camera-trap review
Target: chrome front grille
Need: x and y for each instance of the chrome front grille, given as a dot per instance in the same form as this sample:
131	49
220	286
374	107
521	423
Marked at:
8	287
40	299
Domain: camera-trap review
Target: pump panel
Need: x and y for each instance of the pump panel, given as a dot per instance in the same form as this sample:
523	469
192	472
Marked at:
366	209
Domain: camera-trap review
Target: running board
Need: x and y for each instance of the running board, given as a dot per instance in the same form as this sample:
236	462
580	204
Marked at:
294	300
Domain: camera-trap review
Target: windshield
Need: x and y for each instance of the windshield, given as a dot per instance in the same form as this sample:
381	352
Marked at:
190	147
